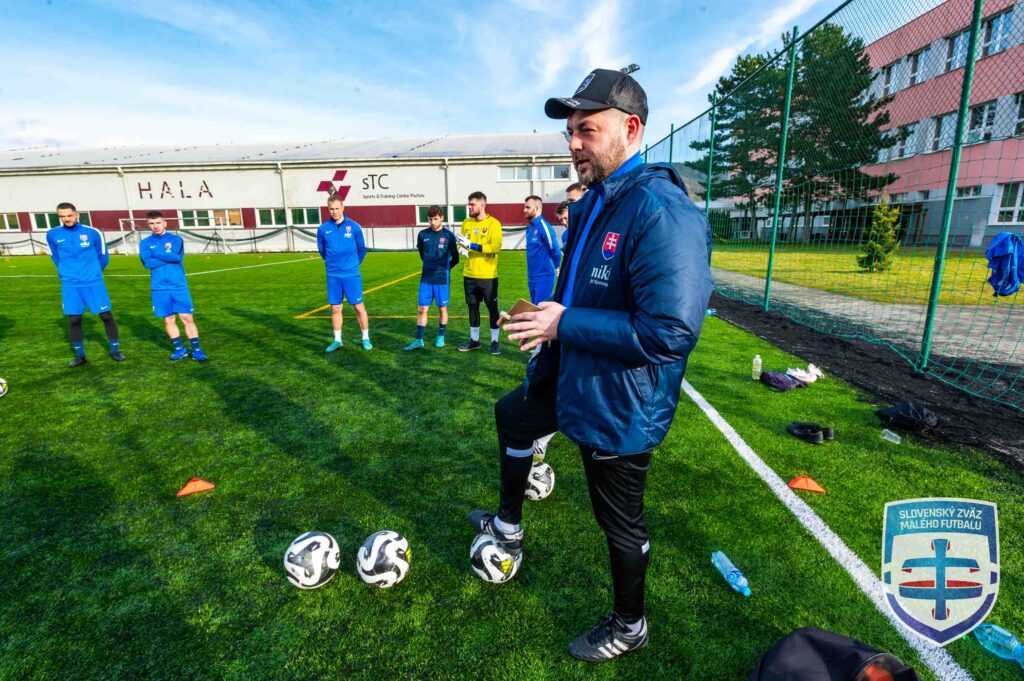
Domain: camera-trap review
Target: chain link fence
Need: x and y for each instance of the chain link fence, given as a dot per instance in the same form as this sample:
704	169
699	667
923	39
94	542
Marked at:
855	178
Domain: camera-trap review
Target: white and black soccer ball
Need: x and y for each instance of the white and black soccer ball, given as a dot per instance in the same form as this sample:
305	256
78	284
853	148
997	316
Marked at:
540	482
312	560
383	559
491	562
3	387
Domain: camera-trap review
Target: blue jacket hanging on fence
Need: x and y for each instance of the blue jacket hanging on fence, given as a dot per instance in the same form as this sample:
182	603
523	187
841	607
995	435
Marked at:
1006	260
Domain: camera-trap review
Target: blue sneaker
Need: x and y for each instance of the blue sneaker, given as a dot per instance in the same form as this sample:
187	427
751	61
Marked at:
439	343
367	345
180	353
417	344
199	356
334	346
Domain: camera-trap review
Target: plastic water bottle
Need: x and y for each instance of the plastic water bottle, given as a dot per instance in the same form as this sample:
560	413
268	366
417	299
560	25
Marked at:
891	436
755	371
735	578
1001	642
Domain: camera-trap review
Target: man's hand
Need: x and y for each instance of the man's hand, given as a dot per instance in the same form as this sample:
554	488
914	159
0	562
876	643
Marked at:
463	240
533	328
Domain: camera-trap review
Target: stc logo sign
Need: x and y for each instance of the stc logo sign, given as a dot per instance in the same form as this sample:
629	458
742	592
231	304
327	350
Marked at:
371	181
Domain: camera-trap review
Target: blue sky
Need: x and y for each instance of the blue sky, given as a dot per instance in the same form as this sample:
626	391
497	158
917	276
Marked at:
102	73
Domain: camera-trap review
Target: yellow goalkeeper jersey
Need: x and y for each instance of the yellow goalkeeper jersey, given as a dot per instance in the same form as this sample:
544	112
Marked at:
482	264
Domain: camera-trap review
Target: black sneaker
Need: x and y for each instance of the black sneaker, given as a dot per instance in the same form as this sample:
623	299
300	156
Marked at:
483	521
471	345
117	356
77	361
609	639
495	348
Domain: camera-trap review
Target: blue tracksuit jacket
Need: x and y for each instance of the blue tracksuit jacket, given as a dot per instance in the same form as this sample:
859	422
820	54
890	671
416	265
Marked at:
162	256
80	254
641	287
439	252
543	252
342	247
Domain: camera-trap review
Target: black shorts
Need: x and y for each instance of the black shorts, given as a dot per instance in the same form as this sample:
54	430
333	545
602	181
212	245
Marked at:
481	291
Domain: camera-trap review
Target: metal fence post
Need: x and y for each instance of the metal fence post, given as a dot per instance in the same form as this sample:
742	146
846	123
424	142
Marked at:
646	149
711	156
780	168
671	138
954	170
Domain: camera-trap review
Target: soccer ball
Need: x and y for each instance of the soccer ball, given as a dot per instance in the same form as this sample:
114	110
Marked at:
312	560
3	387
491	562
383	559
541	482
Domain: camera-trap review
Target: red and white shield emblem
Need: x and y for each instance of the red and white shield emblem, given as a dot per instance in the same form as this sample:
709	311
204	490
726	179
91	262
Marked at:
611	243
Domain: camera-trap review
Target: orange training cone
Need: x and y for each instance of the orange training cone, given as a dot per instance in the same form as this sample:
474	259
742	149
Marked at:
806	483
195	485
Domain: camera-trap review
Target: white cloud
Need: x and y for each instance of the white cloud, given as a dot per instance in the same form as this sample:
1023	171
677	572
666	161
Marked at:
209	20
766	33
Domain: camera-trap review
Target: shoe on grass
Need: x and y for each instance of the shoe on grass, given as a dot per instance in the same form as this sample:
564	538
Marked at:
417	344
334	346
607	640
180	353
471	345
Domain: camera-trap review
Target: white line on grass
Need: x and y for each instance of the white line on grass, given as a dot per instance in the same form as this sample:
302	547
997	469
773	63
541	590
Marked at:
249	267
937	659
189	274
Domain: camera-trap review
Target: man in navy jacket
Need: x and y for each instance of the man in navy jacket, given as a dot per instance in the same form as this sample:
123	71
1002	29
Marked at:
626	313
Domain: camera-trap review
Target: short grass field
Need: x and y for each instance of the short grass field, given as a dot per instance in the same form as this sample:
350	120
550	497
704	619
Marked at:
834	269
107	575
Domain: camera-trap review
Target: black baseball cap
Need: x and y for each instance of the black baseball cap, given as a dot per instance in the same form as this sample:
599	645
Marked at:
602	89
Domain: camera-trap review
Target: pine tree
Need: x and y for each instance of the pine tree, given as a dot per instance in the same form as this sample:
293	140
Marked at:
881	246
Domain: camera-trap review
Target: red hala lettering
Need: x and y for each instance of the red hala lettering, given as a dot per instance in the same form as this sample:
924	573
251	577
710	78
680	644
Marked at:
181	187
148	189
166	190
205	188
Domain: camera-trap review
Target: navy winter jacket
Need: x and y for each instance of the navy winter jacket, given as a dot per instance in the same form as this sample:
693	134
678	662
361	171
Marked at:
641	288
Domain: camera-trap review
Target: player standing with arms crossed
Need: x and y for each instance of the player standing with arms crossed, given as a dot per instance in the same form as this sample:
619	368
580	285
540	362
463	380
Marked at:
481	237
439	253
162	253
341	245
80	254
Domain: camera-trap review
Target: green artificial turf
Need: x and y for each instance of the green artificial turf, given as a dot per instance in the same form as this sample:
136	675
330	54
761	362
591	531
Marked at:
106	574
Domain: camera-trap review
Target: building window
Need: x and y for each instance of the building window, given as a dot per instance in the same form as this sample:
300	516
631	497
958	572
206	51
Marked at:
218	217
272	217
49	220
983	118
968	192
1019	127
956	50
905	142
512	173
926	194
9	221
456	214
888	73
944	131
996	32
899	197
918	64
305	216
1011	206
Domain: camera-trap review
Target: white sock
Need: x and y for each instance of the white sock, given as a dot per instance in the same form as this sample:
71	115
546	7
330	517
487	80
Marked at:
494	334
544	440
636	627
502	526
366	334
474	333
337	335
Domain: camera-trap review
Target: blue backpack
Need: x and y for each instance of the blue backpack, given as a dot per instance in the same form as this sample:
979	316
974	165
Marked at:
1006	260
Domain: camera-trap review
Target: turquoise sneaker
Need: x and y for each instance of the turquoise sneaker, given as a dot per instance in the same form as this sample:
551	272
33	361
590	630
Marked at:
417	344
439	343
367	345
334	346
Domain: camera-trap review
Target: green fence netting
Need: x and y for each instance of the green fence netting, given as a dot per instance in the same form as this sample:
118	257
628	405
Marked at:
855	177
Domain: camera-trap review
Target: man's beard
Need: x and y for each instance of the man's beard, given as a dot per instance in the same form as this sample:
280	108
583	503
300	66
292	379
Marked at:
600	166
